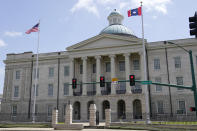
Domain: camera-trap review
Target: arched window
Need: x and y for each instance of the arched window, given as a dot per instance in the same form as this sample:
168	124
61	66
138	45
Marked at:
137	109
76	111
121	109
105	105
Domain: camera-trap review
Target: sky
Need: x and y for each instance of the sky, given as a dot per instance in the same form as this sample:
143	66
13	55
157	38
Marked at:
67	22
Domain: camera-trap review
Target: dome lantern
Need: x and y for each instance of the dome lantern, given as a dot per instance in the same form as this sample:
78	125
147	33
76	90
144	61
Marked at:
115	18
115	25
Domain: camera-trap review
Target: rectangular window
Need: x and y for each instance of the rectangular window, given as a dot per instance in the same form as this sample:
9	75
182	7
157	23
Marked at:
158	87
37	88
66	88
50	90
18	75
122	85
35	73
64	110
81	69
94	86
108	87
136	64
36	109
156	64
51	71
14	110
160	107
49	110
108	66
177	61
16	91
94	68
181	107
121	65
66	70
179	81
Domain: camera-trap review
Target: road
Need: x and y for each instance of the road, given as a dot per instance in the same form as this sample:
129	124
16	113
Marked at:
51	129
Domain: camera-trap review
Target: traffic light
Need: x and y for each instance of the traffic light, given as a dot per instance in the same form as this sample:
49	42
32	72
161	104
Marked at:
102	81
192	109
193	25
132	80
74	83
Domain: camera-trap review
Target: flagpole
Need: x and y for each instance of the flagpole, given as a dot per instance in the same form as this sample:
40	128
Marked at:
145	73
36	79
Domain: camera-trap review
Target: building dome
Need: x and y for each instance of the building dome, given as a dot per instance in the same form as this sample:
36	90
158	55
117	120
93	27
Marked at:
115	25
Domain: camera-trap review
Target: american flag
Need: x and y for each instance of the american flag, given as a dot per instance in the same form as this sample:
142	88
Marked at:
33	29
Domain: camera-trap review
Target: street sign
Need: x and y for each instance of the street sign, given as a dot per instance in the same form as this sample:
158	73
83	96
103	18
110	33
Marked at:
146	82
114	79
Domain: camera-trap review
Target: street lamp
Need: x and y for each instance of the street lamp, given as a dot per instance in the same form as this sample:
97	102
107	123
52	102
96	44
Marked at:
193	88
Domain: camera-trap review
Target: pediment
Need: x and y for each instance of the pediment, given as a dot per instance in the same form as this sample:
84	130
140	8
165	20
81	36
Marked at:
105	41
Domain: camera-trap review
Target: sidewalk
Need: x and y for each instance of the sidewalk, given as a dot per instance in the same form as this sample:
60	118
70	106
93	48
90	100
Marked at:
51	129
26	129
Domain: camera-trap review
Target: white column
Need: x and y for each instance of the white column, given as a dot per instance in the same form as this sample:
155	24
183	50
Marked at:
127	71
92	119
98	74
107	117
113	74
54	117
71	76
84	79
68	116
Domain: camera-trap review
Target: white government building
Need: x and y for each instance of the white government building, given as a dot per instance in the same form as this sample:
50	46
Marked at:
114	53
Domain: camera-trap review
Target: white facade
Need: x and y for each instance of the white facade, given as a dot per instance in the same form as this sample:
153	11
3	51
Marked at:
109	55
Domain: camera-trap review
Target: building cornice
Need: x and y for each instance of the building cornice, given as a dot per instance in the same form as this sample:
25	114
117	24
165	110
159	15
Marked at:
41	58
95	38
160	44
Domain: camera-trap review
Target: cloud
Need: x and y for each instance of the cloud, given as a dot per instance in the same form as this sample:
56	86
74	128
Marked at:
106	2
153	5
12	33
154	17
2	43
122	5
92	5
88	5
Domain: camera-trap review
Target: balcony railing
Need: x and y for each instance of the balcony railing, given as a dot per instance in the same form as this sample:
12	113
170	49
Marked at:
77	93
137	91
91	93
120	91
105	92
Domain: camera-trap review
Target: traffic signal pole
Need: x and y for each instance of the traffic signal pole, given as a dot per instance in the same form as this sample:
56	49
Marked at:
193	80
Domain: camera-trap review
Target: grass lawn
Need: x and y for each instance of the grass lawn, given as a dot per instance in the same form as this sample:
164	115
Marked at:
155	126
29	125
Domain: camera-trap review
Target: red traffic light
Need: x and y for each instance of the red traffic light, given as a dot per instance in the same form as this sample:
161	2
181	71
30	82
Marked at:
102	81
132	80
192	109
74	83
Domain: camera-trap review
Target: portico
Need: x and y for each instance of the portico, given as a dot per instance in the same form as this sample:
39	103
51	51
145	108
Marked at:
90	68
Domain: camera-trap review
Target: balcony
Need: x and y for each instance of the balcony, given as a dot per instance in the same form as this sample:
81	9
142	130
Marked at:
105	92
77	93
91	93
137	91
120	91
